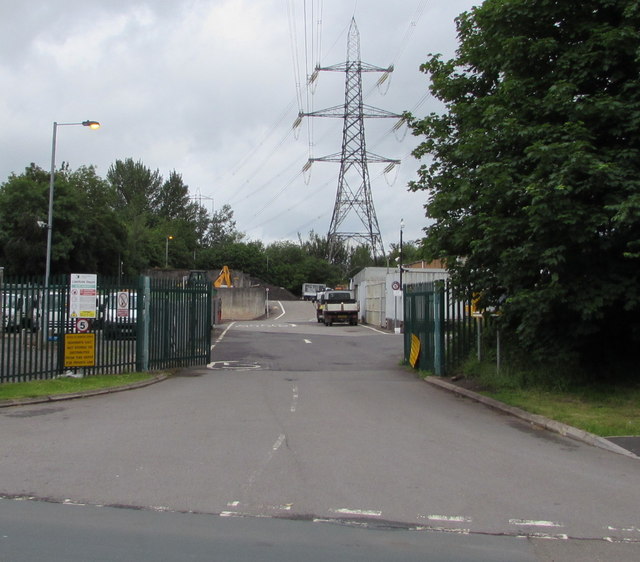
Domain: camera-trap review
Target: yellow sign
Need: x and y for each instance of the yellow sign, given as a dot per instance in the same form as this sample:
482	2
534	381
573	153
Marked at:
415	350
79	350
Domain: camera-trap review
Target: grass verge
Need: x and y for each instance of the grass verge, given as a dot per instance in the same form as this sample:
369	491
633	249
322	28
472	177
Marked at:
605	410
67	385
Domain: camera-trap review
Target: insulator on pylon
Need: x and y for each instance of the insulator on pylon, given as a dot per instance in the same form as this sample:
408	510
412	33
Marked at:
297	122
305	171
387	170
399	124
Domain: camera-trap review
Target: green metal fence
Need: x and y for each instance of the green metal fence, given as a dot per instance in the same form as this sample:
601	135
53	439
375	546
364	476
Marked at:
180	322
140	324
440	318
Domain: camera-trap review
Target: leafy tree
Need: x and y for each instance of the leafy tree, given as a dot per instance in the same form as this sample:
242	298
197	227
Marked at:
23	219
534	171
411	252
137	187
222	227
86	230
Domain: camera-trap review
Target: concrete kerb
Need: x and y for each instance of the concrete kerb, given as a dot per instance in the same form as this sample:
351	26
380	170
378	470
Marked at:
84	394
534	419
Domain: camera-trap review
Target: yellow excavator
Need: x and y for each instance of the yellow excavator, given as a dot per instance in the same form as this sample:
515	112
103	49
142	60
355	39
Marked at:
198	276
224	278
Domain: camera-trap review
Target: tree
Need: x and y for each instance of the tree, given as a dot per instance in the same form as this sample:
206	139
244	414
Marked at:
86	230
222	227
23	209
533	171
137	187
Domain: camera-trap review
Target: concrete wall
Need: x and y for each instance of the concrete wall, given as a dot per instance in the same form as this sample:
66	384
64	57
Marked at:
242	304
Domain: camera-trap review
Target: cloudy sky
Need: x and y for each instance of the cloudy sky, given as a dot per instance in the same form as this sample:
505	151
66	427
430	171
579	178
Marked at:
211	89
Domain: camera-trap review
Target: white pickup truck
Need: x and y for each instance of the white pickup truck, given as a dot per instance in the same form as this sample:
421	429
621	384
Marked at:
337	306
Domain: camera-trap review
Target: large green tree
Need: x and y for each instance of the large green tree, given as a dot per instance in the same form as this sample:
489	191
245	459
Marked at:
86	230
533	170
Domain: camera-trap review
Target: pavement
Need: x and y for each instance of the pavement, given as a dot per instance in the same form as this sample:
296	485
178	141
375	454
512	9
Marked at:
627	446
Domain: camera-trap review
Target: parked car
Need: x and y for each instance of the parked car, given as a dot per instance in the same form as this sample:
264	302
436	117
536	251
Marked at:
19	312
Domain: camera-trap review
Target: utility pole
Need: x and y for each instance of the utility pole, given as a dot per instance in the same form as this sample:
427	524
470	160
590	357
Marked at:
353	195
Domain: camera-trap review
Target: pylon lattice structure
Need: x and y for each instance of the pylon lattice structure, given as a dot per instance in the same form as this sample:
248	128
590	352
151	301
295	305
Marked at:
353	194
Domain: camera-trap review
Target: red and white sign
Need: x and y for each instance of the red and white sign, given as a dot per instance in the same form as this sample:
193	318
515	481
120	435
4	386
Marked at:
82	325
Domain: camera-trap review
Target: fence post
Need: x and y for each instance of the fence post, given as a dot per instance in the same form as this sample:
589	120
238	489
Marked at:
142	317
438	332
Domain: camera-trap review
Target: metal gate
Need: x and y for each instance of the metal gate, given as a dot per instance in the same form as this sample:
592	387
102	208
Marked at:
438	327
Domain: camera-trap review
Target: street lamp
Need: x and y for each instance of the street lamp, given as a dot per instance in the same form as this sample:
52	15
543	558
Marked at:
91	125
166	251
401	229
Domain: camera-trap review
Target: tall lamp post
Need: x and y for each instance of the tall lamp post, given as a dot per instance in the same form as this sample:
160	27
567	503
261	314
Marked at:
401	229
166	251
91	125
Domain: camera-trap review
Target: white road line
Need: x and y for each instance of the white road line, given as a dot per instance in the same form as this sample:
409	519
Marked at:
530	523
375	330
222	335
283	311
359	512
451	518
279	442
307	341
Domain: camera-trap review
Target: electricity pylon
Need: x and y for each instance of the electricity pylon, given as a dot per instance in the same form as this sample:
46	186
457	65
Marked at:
354	189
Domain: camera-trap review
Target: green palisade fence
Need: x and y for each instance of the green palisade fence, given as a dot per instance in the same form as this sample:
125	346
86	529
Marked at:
441	319
156	325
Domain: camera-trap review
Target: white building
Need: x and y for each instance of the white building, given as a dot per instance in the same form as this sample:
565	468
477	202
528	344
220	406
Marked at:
380	303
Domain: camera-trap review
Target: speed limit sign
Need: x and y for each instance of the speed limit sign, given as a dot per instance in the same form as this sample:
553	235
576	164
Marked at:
395	285
82	325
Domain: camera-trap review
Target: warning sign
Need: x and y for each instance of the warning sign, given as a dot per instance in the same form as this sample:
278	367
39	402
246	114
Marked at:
79	350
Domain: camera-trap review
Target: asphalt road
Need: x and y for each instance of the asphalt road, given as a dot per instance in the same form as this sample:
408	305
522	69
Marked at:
299	421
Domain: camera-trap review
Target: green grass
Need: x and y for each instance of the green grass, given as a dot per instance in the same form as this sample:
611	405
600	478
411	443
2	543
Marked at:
605	410
35	389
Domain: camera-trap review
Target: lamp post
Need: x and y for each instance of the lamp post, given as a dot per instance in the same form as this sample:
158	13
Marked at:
401	229
166	251
91	125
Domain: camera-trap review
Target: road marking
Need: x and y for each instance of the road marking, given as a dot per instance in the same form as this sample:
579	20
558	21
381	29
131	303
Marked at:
530	523
222	335
451	518
375	330
233	366
279	442
307	341
283	311
358	512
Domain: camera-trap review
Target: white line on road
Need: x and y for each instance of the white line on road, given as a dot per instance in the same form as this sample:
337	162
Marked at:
307	341
530	523
375	330
278	442
359	512
222	335
452	518
283	310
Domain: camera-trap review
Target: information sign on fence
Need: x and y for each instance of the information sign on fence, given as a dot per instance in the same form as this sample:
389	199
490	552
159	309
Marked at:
79	350
83	292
